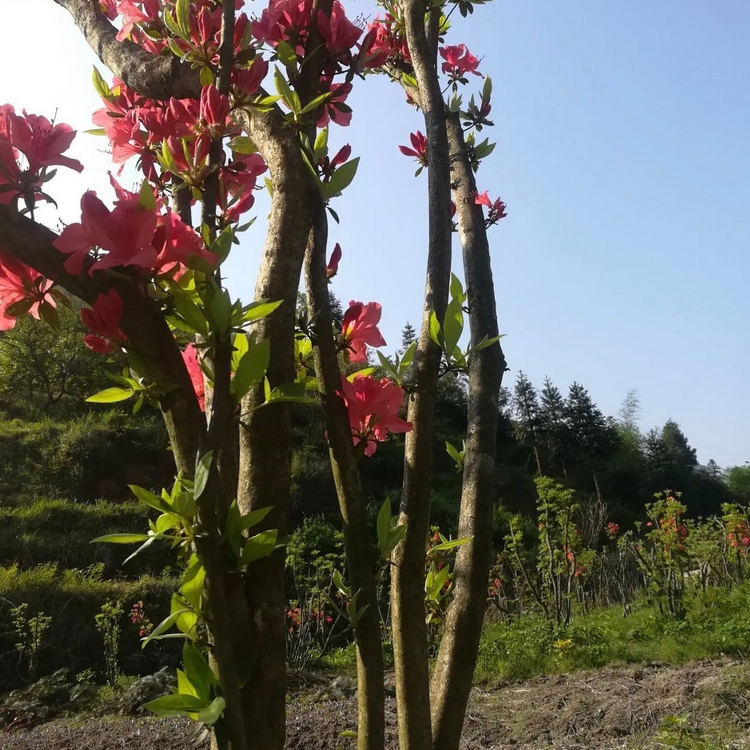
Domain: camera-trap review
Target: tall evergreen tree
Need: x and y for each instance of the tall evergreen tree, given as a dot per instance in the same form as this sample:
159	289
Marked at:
526	414
552	428
591	437
408	337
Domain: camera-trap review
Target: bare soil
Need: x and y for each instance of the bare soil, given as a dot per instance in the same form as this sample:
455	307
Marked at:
618	707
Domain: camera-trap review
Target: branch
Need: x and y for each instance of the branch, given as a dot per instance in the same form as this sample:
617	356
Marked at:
154	76
144	325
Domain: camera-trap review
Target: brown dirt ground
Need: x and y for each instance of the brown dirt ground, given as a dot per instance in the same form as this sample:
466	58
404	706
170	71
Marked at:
618	707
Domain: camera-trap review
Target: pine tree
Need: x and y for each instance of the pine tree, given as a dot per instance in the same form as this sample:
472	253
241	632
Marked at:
526	414
552	429
408	336
592	437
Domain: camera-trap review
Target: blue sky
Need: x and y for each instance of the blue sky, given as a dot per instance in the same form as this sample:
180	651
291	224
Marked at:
623	156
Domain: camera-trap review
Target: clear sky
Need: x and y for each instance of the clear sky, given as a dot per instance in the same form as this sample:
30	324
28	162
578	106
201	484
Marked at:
623	154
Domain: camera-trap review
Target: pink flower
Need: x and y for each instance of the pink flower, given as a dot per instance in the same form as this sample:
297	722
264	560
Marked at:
125	234
342	155
214	111
334	109
23	287
497	207
333	264
378	46
338	31
175	243
419	150
283	20
458	61
192	362
41	142
109	8
360	328
247	82
373	407
103	320
131	15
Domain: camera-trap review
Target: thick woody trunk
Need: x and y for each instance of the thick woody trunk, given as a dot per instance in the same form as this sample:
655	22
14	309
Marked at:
454	670
409	628
361	558
265	433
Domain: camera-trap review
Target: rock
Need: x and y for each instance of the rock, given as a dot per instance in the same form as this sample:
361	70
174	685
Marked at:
145	689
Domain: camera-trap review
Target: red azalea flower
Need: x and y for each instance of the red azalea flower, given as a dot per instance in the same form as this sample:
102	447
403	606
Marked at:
360	328
373	407
103	320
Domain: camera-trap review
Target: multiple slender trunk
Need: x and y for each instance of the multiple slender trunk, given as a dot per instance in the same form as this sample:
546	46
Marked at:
247	616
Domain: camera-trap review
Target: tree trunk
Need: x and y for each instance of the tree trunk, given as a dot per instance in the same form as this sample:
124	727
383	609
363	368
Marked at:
360	556
454	670
265	433
407	591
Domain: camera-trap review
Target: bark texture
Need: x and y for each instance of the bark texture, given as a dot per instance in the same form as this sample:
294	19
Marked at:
454	670
360	556
409	628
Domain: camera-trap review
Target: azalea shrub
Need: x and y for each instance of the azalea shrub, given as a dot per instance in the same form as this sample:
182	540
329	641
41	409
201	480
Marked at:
208	106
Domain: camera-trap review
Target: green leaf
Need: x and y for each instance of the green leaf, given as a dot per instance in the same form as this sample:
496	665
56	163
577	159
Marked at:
453	452
110	396
386	364
140	549
258	310
320	149
486	342
457	290
206	76
192	583
162	627
251	368
121	538
396	535
100	85
259	546
240	345
341	179
182	15
197	671
384	524
286	54
146	199
338	582
188	310
453	325
171	24
435	328
452	544
315	103
202	470
242	145
408	357
187	619
169	705
153	501
288	96
254	517
211	714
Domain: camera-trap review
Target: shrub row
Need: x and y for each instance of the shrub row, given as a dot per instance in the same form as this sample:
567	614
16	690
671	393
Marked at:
95	456
60	531
72	598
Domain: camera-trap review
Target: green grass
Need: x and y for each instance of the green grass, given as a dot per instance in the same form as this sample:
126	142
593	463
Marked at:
60	531
717	623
